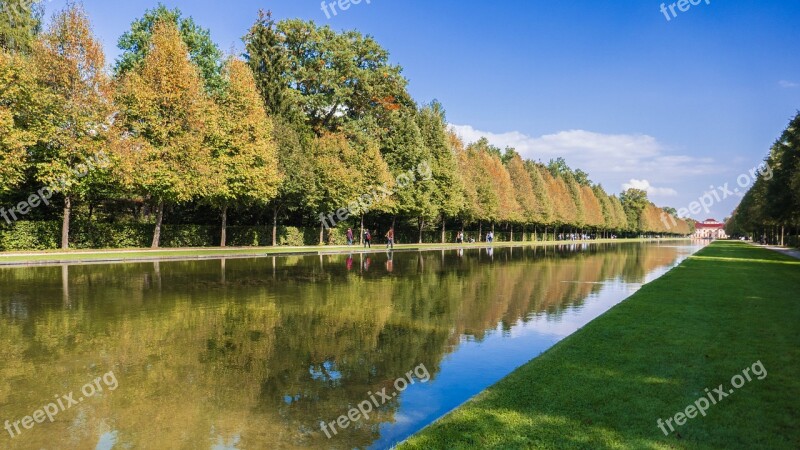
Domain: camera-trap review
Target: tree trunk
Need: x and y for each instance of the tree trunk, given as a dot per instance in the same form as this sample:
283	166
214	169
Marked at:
65	222
274	226
480	231
421	222
443	230
782	231
361	234
512	233
321	232
224	234
159	221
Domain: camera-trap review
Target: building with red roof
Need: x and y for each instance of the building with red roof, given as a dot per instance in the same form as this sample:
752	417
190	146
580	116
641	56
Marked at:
710	229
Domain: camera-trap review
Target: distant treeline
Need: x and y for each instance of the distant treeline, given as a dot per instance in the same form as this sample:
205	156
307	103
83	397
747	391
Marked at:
304	122
770	210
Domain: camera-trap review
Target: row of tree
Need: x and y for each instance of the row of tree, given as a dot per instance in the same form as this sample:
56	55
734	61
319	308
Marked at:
305	121
771	208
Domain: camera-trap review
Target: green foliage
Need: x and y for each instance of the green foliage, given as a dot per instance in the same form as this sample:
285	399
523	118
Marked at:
24	117
634	201
773	201
338	77
309	122
27	235
448	187
136	44
20	22
268	60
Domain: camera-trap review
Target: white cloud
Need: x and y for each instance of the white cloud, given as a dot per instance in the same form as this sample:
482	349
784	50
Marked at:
649	188
788	84
610	159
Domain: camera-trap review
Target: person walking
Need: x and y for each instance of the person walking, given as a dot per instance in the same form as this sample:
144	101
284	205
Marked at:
460	237
349	236
390	238
367	239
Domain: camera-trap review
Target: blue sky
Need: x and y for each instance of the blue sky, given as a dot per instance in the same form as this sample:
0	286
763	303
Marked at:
676	106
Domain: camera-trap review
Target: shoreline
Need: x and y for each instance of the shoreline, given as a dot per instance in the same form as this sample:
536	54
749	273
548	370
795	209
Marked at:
108	256
690	329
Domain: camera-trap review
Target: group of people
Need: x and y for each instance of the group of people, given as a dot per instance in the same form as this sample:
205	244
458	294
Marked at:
390	238
368	238
460	238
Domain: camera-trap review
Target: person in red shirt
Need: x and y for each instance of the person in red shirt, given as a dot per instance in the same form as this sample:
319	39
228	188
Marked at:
390	238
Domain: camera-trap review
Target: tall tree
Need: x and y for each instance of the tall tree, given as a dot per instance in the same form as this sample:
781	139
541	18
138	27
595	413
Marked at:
338	77
593	211
634	201
523	187
266	54
575	192
404	150
244	153
544	213
25	116
621	218
137	42
163	115
448	189
336	175
71	65
468	212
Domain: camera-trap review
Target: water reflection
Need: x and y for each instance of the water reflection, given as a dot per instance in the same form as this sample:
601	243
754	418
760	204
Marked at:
255	353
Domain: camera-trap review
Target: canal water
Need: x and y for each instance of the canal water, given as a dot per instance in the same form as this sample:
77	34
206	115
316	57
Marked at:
258	353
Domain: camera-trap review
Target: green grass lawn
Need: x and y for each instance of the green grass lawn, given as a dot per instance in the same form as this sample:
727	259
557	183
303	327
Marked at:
650	357
60	256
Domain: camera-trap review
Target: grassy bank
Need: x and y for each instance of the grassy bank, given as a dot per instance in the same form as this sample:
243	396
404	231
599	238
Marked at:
650	357
122	255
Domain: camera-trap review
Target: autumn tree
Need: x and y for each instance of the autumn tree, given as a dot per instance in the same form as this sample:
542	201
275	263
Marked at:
373	175
71	66
565	211
244	153
509	211
543	213
593	211
480	162
25	110
468	211
137	42
163	114
337	180
620	216
575	192
523	187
